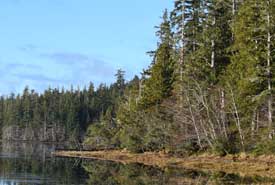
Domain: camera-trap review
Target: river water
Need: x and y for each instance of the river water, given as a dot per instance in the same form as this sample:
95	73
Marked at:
33	164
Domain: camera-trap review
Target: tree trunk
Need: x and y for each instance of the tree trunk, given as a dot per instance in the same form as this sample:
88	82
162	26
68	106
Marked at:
182	53
234	7
237	119
213	46
223	116
193	120
45	129
271	130
253	123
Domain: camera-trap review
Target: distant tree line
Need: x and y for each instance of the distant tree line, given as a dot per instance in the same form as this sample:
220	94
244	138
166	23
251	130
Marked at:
57	114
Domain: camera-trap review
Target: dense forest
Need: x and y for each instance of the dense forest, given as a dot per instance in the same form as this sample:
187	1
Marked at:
210	86
57	115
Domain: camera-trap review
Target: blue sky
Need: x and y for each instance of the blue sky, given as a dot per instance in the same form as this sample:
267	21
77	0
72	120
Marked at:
62	42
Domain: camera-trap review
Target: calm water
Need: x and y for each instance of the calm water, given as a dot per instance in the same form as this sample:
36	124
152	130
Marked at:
31	164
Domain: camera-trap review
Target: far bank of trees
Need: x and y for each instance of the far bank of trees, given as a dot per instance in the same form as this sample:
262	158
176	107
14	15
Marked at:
57	114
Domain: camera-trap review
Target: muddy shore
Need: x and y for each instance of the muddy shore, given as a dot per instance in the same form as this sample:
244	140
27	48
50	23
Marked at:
242	164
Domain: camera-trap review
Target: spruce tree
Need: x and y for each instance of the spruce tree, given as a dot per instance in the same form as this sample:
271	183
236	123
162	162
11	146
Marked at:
249	76
158	84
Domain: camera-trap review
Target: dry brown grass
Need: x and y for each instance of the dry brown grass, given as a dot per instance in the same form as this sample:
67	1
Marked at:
242	164
147	158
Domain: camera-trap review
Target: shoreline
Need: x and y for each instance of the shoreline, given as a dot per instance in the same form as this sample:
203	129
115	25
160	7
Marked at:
241	164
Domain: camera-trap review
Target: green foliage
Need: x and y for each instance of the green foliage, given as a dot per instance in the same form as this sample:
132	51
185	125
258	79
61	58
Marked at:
132	140
98	136
223	147
264	148
186	148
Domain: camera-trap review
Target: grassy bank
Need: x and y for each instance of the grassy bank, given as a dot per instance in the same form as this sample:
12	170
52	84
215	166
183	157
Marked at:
243	164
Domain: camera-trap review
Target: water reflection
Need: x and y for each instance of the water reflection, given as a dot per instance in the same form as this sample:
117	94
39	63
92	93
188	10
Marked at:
33	164
109	173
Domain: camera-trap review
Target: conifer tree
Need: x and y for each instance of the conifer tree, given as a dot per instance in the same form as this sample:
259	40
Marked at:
249	75
158	84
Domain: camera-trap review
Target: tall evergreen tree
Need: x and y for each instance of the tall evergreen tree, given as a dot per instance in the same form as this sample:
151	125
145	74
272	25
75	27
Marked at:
158	84
249	75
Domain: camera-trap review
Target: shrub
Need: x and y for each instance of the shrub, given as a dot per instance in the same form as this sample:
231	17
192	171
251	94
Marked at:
267	147
223	146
